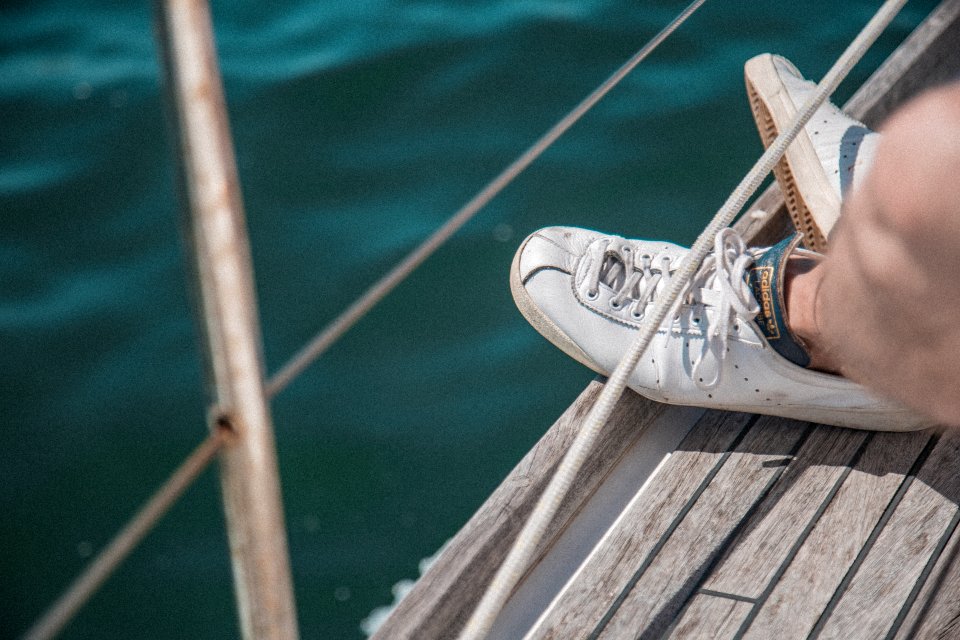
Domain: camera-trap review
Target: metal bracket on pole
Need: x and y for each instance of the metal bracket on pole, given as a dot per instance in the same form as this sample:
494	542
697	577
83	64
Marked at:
235	371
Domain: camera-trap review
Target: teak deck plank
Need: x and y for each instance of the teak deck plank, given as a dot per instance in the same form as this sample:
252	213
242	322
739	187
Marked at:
800	595
609	571
936	613
658	591
761	549
894	565
710	617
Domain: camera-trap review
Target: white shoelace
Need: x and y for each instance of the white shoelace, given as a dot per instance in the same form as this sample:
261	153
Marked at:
720	283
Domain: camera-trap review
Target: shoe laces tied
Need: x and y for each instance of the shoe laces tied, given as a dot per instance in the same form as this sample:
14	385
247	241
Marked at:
720	283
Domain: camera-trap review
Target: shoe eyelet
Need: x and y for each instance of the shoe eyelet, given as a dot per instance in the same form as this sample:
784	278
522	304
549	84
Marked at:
636	315
615	305
592	295
646	256
627	249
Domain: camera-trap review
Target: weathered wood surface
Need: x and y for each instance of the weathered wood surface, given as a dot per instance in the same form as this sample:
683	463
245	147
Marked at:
773	547
747	475
937	612
795	531
756	555
609	573
921	522
798	597
709	616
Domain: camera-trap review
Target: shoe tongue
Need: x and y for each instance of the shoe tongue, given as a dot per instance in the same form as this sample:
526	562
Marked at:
765	278
613	273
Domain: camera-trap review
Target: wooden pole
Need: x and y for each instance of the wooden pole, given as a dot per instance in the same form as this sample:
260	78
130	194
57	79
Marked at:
235	371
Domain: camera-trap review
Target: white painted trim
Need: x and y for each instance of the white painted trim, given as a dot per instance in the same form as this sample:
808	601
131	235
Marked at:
597	517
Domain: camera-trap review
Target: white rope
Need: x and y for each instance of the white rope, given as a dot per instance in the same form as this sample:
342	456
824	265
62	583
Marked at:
342	323
530	536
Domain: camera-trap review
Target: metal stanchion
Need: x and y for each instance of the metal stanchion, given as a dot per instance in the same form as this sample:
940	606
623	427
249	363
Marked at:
228	310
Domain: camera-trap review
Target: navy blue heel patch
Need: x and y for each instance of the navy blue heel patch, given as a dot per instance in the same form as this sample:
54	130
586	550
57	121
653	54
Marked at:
765	278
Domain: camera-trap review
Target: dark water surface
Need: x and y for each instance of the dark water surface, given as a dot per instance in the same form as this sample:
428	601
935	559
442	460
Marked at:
359	127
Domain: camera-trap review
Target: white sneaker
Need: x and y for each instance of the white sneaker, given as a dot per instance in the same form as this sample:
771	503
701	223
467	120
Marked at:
587	292
829	157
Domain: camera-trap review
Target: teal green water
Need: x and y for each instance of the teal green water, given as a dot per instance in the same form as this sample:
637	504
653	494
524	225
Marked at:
359	127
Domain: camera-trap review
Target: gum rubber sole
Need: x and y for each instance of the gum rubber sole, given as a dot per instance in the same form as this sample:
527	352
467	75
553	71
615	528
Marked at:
773	110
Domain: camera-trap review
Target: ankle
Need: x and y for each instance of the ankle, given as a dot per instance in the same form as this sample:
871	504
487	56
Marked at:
802	282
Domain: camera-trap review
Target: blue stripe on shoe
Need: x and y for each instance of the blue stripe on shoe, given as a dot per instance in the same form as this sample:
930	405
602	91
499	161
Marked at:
765	278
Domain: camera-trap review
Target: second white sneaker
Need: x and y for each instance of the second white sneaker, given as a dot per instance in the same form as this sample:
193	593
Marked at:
829	157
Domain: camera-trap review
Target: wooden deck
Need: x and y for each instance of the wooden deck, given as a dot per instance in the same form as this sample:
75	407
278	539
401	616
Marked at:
751	526
761	528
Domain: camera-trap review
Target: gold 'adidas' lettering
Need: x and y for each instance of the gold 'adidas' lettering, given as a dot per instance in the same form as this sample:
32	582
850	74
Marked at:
766	301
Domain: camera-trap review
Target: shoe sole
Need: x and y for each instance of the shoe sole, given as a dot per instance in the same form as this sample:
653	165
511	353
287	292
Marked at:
540	321
814	209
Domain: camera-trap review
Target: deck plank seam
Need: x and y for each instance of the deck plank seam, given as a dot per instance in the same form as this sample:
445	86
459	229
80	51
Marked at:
665	537
871	540
934	591
924	576
657	630
721	549
761	600
724	594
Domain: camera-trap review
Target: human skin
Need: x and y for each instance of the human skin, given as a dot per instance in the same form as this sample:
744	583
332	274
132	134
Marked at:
883	306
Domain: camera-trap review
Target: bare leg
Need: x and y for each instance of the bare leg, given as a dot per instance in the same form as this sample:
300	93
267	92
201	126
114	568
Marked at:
883	308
